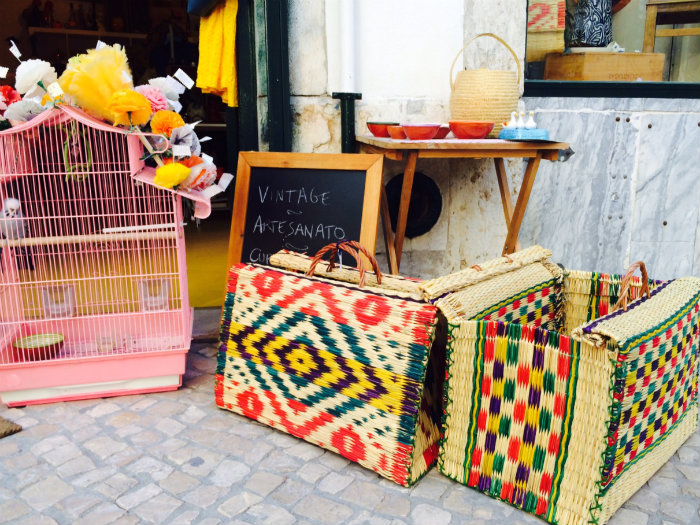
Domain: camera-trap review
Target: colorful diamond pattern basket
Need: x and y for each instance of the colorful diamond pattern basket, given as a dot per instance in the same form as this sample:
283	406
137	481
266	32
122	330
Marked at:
554	402
343	367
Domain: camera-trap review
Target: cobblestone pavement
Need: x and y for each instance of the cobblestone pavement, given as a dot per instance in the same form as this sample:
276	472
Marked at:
175	458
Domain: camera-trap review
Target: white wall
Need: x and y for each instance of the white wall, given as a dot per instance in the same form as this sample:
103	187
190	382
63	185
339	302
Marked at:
403	48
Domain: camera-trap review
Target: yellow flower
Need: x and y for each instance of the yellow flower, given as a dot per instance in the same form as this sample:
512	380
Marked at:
164	122
129	107
171	175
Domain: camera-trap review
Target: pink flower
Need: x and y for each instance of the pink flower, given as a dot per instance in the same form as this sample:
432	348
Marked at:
155	96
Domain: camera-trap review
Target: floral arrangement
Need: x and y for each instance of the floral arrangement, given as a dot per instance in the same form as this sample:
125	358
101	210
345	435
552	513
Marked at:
100	83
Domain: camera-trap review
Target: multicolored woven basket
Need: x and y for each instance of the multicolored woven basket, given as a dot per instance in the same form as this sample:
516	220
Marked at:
555	403
343	367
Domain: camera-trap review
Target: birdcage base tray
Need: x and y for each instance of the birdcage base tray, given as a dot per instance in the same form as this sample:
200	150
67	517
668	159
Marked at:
36	396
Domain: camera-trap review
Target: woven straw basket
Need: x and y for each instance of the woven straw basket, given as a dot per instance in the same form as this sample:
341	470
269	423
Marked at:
545	29
488	95
336	362
555	403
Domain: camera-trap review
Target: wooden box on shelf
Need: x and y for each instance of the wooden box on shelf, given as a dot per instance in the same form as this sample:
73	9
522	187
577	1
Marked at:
616	67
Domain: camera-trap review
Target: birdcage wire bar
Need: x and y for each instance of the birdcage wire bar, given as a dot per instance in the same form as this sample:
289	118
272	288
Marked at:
92	254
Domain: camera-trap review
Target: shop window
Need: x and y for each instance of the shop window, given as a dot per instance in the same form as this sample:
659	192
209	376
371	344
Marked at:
621	41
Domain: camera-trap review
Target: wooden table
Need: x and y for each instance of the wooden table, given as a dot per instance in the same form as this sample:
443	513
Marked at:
409	151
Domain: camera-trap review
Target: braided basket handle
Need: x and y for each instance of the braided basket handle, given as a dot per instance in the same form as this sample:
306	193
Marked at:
517	61
351	247
625	285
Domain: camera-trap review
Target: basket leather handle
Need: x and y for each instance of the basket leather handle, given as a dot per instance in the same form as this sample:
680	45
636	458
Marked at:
354	248
625	285
517	61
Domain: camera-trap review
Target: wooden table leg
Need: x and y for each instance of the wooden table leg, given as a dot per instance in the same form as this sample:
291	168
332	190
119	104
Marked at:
408	172
520	205
505	194
650	29
388	233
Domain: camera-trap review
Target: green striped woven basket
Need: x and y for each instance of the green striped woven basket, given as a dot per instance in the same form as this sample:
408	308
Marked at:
555	403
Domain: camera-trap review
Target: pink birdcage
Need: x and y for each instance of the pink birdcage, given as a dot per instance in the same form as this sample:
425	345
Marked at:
93	276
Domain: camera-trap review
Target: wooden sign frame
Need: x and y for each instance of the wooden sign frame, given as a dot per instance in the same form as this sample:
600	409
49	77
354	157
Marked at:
371	164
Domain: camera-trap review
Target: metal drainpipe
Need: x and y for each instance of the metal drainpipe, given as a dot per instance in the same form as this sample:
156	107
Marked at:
347	119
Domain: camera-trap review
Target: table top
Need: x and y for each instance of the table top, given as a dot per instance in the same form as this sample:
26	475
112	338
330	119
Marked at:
460	144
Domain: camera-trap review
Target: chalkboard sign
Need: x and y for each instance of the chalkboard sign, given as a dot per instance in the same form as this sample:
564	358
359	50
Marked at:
302	202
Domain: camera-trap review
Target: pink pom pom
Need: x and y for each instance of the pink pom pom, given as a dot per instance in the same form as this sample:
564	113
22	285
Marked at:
155	96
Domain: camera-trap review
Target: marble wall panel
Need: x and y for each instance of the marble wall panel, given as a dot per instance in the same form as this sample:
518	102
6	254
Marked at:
667	260
581	208
667	185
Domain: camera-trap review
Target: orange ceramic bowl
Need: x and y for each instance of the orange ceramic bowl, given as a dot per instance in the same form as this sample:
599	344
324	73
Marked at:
465	129
442	132
379	129
396	132
421	131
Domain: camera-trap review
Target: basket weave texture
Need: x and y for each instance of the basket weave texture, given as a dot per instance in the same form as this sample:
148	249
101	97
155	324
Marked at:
555	403
343	367
545	28
488	95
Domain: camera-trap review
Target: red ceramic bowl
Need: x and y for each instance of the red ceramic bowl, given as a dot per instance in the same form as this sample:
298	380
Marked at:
465	129
421	131
442	132
378	129
396	132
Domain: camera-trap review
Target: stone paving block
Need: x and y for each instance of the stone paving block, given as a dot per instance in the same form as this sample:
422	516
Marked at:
76	505
334	483
204	495
395	505
75	466
629	517
139	495
46	492
155	468
239	504
104	446
8	447
157	509
170	426
93	476
363	494
103	409
178	482
322	510
682	511
116	485
228	472
186	518
312	472
280	462
430	514
334	461
431	487
20	463
101	515
192	415
13	509
263	483
36	520
290	492
123	419
269	515
47	445
459	500
87	432
305	451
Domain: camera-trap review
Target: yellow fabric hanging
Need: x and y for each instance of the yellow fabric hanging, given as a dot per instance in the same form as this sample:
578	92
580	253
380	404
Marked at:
216	72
